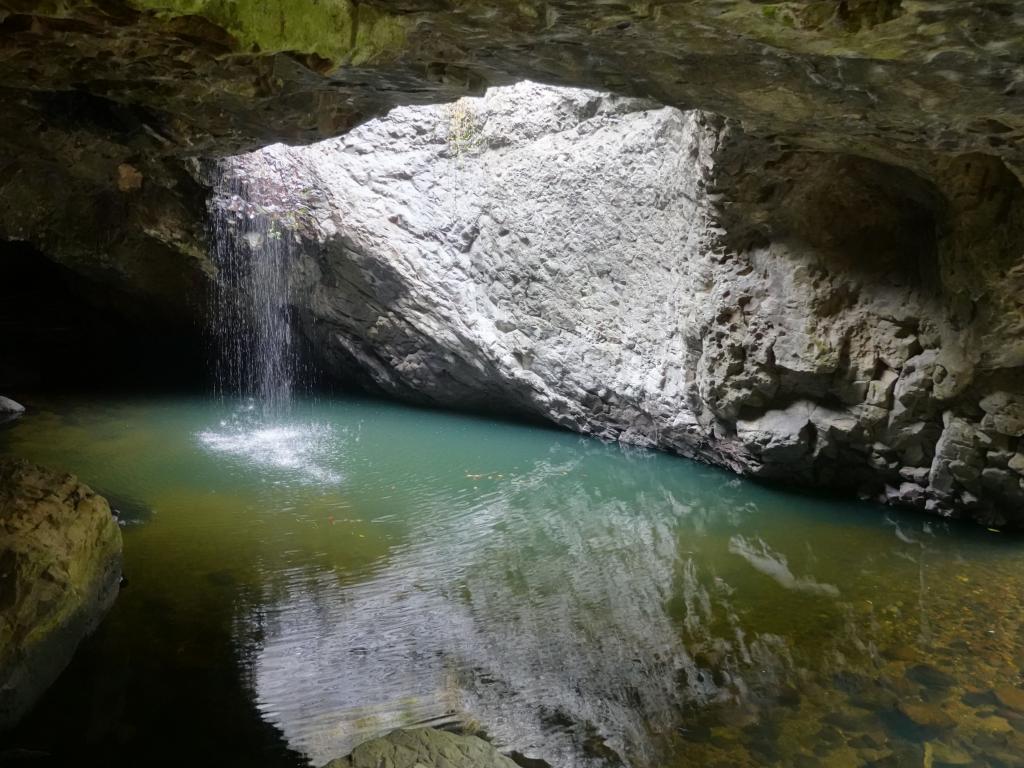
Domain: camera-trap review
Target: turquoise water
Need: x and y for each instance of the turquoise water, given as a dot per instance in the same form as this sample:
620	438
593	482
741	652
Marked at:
298	585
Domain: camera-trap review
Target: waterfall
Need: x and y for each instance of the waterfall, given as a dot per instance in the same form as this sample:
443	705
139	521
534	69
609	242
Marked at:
250	325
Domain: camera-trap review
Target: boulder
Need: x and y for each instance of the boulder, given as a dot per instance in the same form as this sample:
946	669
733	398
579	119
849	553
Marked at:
665	279
424	748
1004	413
780	436
60	568
926	716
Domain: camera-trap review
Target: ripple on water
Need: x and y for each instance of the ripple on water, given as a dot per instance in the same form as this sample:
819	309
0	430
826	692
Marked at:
366	566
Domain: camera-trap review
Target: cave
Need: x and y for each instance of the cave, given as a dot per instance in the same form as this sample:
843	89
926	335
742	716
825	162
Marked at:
65	334
495	384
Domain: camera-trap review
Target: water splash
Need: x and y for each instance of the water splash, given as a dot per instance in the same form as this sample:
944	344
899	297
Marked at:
251	248
300	450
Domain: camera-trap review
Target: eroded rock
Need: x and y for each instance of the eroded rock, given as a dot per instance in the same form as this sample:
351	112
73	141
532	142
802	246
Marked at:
60	567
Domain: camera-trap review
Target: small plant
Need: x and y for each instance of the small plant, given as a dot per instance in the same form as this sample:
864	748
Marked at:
463	131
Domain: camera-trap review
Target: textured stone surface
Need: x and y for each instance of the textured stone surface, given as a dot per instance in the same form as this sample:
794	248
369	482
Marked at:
424	748
663	279
60	567
107	101
881	77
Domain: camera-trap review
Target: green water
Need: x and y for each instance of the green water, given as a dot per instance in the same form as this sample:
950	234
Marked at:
298	586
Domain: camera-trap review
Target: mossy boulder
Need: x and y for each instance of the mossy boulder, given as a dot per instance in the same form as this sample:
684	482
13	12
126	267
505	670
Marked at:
60	567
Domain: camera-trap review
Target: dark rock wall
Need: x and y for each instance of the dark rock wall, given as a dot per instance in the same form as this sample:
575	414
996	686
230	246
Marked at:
61	332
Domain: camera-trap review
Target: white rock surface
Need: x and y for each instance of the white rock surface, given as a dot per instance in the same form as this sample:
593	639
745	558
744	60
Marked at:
656	277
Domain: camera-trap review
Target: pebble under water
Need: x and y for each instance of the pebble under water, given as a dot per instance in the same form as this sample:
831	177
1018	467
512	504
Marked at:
298	585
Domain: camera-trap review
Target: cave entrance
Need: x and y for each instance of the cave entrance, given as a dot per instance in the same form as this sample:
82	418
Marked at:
63	333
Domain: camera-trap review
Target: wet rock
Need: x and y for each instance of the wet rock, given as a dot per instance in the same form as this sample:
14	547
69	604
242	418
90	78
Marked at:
993	725
60	566
939	754
1016	463
902	653
424	748
850	720
978	698
841	757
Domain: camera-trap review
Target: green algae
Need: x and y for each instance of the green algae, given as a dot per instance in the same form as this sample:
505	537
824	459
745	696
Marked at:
339	30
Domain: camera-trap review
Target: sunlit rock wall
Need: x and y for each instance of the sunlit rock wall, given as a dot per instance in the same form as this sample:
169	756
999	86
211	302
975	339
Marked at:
658	277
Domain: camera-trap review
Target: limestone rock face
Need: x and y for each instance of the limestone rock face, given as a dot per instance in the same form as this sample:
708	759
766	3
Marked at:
664	279
107	103
424	748
60	567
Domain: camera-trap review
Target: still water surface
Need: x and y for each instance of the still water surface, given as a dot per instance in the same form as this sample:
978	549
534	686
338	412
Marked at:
298	585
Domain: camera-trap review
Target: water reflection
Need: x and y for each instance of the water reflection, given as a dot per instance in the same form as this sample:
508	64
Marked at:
598	608
377	566
775	566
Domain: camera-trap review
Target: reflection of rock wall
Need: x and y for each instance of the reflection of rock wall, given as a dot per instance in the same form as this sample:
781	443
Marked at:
541	612
659	278
593	604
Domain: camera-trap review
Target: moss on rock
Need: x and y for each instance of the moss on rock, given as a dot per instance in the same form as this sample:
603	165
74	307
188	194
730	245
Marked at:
338	30
60	567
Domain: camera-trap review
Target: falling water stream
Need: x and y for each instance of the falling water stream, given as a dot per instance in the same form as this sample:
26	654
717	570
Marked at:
250	324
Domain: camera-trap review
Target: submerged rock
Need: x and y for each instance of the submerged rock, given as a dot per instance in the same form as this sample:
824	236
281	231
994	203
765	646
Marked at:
931	677
60	566
424	748
926	716
1010	697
